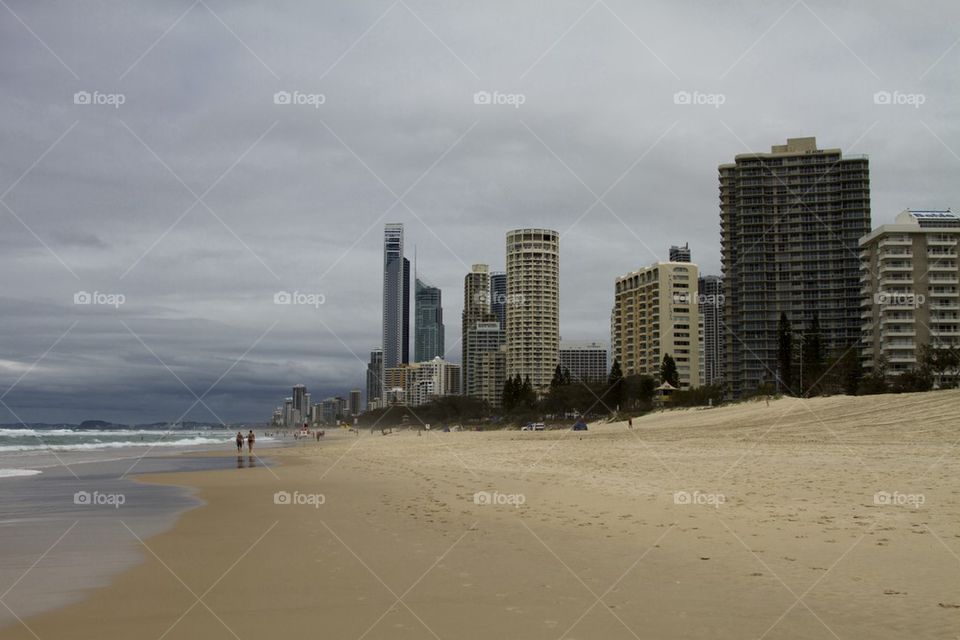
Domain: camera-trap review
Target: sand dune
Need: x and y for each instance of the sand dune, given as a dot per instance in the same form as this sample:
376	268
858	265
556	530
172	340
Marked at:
830	517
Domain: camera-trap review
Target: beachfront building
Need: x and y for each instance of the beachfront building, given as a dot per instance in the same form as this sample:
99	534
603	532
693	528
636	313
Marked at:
428	331
301	405
432	379
476	310
354	408
396	298
790	221
498	297
395	384
375	380
710	305
486	344
288	419
419	383
332	409
655	314
911	288
680	254
586	361
533	306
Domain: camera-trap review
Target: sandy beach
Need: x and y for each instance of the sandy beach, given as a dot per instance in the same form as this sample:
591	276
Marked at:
824	518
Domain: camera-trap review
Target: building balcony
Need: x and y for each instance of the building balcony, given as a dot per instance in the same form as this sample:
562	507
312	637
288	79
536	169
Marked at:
887	268
902	358
896	242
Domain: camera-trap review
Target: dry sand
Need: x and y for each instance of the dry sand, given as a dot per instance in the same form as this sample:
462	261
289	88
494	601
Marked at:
782	536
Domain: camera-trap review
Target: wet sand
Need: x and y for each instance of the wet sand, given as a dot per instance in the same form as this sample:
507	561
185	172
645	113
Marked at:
833	517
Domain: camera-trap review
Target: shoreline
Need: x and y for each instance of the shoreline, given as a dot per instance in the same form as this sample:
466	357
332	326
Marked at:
41	508
599	546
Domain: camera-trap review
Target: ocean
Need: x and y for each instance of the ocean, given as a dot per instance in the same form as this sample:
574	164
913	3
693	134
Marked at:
71	513
26	451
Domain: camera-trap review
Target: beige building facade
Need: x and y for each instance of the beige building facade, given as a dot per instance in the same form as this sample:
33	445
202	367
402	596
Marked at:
910	293
533	310
655	314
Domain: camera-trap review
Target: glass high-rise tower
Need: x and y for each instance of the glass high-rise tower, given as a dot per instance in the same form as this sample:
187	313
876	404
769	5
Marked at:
428	326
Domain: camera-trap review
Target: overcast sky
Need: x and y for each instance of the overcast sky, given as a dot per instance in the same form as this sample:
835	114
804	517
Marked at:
198	198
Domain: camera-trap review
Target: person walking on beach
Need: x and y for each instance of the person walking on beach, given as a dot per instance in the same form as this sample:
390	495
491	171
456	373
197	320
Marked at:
239	442
250	440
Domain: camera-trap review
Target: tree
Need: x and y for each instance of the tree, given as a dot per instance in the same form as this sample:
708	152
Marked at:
918	379
557	378
648	389
942	363
528	397
566	376
615	386
851	369
876	382
510	394
785	353
812	355
668	371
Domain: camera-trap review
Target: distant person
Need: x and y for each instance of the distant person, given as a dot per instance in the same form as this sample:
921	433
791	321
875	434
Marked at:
250	440
630	423
239	442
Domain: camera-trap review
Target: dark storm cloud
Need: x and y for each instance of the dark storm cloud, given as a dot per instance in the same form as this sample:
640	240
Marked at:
293	197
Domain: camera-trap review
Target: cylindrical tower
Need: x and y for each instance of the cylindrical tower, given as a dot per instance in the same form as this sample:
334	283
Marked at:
533	305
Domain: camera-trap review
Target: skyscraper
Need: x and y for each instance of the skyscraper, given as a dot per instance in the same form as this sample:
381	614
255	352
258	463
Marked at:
396	298
476	308
498	297
790	221
375	380
428	326
300	403
680	254
533	311
710	303
355	402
